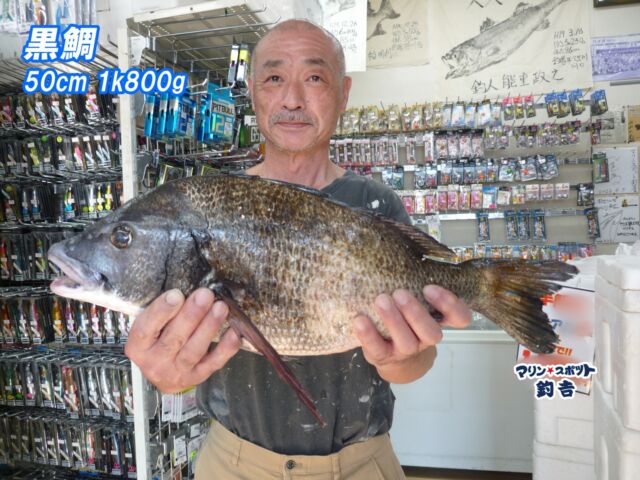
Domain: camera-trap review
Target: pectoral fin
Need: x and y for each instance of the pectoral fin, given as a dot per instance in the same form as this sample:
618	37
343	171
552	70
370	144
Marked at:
245	328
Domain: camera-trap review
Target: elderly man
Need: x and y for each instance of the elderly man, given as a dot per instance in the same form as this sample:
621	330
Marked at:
298	88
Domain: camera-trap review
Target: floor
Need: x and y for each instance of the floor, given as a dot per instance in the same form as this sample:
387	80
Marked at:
414	473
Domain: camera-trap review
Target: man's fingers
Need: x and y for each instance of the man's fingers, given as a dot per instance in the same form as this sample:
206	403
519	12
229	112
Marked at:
198	344
374	347
179	330
403	338
148	325
417	316
455	312
213	361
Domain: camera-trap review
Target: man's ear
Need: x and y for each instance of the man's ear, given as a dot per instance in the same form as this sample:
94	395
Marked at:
346	88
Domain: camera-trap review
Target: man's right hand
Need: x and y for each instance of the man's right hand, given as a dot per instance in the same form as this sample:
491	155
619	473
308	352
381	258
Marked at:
170	340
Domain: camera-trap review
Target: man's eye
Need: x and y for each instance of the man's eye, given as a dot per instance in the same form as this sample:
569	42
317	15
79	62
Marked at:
315	78
274	78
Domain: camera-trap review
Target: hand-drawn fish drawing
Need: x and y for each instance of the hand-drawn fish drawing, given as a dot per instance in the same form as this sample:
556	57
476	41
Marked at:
375	19
497	41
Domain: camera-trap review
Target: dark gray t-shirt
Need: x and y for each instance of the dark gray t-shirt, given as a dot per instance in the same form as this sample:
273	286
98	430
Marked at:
249	399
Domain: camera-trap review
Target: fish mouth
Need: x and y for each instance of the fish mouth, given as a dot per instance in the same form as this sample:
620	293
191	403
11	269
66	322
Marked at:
76	275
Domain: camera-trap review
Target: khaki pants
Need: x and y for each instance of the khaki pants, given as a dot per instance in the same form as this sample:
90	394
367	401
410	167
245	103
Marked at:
224	456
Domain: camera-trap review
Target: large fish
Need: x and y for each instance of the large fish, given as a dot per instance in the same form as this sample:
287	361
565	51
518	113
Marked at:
294	266
497	41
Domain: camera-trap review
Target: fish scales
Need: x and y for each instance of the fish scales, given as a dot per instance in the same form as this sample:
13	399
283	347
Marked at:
305	279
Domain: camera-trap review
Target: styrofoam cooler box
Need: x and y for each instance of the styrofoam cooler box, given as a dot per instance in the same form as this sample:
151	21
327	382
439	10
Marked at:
618	358
616	448
625	300
604	318
565	422
623	271
551	462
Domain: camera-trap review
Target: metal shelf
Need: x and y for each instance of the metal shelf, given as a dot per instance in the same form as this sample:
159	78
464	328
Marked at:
196	39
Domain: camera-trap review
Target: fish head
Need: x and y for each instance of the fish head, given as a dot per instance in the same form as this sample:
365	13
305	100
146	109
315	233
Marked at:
129	258
458	60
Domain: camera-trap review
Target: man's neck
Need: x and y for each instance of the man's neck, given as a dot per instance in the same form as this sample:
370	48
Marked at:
311	169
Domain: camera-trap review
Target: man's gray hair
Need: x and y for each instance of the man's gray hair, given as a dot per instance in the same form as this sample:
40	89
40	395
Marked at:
293	24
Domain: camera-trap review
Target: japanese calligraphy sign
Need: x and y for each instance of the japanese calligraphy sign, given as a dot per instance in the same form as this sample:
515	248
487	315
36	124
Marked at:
397	33
345	19
571	313
489	48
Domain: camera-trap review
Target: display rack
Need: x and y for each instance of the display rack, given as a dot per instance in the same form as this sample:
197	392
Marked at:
195	39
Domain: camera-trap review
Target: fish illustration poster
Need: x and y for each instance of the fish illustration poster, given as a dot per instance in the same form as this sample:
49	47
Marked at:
345	19
490	48
397	33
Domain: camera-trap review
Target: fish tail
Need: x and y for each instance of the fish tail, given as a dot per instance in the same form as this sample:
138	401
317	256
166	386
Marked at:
511	293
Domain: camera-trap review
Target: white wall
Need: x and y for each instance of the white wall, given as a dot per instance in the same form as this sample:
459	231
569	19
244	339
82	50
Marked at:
411	84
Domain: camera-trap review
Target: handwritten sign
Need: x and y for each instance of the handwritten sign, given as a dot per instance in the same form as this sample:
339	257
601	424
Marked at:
397	33
623	171
488	48
619	218
346	20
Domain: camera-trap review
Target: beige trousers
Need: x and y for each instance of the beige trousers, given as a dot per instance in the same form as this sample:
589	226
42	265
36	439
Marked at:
224	456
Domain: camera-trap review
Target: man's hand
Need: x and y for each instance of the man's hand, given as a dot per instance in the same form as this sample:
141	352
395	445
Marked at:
410	351
170	340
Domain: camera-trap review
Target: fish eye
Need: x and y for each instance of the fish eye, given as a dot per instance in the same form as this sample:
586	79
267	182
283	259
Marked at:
121	236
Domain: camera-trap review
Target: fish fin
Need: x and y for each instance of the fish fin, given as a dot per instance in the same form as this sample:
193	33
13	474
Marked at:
420	242
544	25
487	24
511	293
245	328
520	7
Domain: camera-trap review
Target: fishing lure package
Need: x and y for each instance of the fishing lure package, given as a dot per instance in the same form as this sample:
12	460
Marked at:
518	106
508	110
530	106
524	225
504	196
593	225
599	103
547	191
484	234
562	191
548	166
551	101
585	194
476	201
458	115
576	102
539	226
563	104
600	167
489	197
511	225
443	198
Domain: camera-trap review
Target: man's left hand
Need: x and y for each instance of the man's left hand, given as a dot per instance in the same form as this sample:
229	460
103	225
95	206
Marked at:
409	352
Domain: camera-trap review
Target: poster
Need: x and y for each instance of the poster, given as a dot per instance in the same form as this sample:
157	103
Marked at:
396	33
623	171
619	218
346	20
634	123
486	48
615	58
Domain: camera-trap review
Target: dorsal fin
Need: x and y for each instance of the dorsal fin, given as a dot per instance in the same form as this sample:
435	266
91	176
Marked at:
520	7
420	242
487	24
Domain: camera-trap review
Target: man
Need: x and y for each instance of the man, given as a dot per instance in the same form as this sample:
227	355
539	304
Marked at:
298	89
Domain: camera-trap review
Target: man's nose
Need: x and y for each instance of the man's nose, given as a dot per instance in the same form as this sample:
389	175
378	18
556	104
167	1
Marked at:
293	98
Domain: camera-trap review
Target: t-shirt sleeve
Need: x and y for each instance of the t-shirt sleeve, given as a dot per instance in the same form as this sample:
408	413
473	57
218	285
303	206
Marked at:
384	201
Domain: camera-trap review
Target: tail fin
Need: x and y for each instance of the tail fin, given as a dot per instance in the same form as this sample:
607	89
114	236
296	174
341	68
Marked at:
511	294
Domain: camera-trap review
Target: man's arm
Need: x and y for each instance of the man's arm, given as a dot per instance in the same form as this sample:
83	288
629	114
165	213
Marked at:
411	349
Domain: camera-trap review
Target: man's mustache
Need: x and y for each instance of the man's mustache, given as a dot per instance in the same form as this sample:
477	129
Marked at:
293	117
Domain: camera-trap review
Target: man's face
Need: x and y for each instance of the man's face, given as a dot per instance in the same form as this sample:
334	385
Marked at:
296	89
